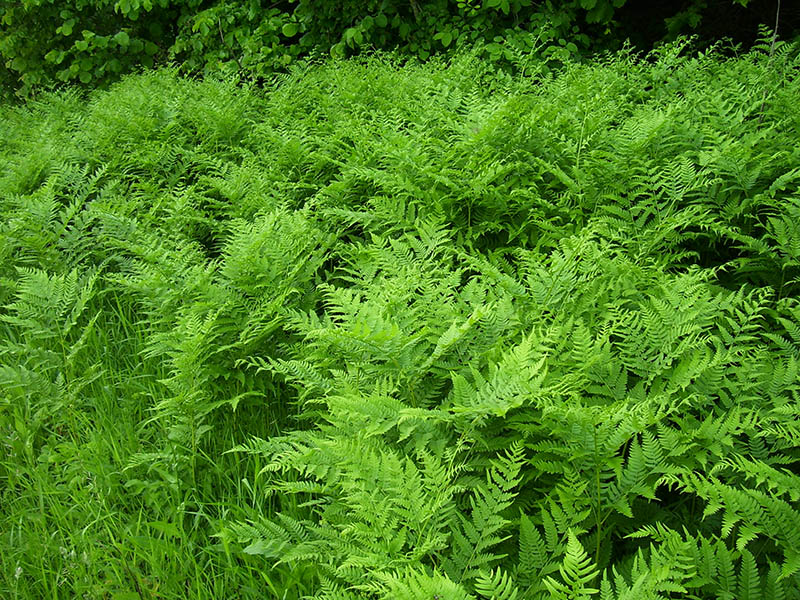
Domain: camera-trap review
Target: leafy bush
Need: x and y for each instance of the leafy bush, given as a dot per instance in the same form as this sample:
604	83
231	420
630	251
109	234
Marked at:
418	331
92	42
46	41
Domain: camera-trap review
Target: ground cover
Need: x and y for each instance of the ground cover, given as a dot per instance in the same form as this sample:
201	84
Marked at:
405	331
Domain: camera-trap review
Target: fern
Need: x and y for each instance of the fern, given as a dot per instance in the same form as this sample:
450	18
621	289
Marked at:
407	331
496	585
577	573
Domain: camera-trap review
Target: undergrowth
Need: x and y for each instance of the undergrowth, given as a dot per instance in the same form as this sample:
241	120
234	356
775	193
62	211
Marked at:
406	332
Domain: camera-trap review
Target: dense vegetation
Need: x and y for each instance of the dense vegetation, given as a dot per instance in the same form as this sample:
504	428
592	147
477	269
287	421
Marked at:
418	331
92	42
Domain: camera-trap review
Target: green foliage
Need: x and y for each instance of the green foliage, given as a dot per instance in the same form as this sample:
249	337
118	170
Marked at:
419	331
577	572
93	41
77	40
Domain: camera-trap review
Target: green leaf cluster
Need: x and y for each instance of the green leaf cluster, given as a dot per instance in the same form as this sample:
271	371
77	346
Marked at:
93	42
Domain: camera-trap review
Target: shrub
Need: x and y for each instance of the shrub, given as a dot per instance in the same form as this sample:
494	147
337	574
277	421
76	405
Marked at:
92	41
43	41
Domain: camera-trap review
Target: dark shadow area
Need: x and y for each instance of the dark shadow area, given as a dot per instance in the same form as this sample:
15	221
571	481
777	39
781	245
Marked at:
646	23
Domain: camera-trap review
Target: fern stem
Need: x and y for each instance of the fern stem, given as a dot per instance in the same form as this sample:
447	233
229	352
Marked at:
598	522
580	143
